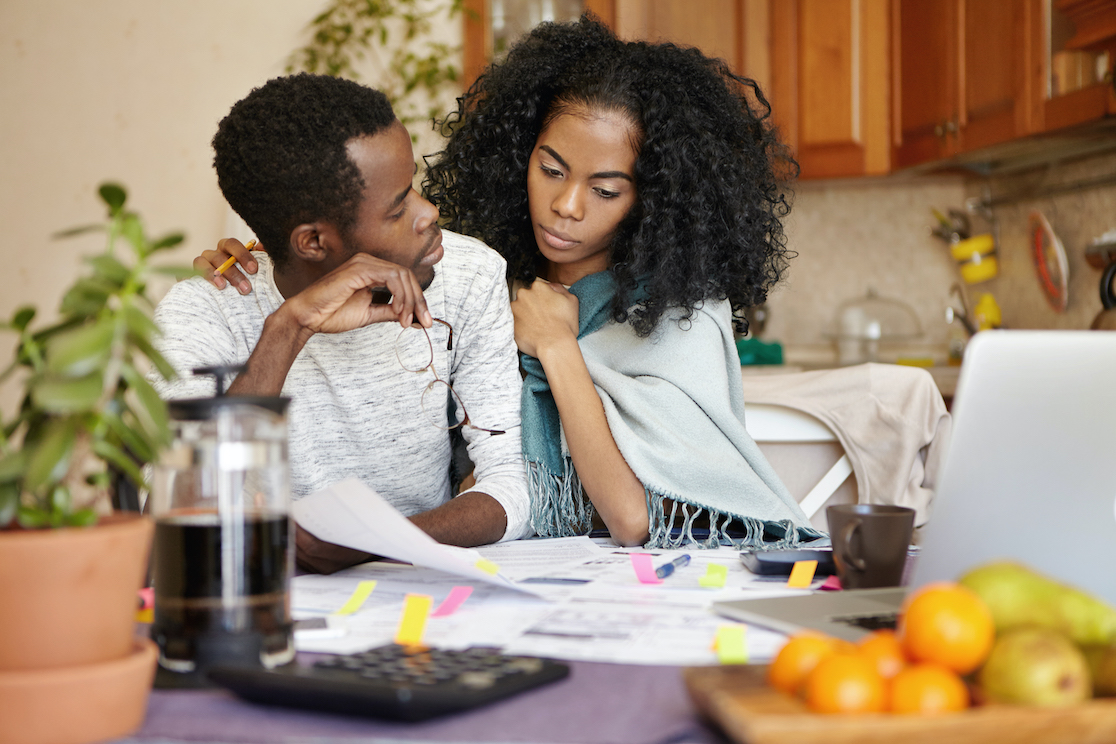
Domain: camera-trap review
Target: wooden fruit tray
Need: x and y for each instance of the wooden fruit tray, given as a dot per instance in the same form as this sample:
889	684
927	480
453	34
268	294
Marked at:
738	700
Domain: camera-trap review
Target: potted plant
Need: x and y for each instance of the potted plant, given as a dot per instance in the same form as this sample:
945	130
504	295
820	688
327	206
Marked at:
69	568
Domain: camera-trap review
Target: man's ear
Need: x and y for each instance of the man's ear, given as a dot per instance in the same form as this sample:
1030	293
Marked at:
310	242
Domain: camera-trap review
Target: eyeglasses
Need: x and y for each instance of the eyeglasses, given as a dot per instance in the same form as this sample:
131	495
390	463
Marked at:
441	404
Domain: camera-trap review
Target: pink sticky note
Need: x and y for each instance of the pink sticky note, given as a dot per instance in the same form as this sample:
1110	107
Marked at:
832	584
146	598
453	600
644	571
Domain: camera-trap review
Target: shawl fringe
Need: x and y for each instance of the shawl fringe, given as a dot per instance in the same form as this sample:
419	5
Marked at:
559	508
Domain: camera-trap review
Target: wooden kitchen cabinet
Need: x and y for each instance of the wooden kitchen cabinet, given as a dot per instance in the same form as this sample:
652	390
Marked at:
1082	29
831	84
963	75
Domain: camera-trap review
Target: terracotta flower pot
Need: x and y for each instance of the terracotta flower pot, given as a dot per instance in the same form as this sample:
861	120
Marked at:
69	595
78	704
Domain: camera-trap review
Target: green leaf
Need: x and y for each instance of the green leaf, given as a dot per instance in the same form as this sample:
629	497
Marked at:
118	457
81	350
110	269
87	297
178	272
132	230
33	518
60	499
9	503
78	231
152	407
134	439
68	395
114	196
139	324
167	241
22	318
165	369
50	459
12	466
82	518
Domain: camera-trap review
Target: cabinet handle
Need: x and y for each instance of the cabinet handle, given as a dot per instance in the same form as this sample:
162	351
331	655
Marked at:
951	127
939	131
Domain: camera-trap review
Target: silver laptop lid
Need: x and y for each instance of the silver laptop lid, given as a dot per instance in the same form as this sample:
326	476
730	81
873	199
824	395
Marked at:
1031	469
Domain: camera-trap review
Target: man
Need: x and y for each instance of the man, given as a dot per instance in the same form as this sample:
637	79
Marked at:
321	170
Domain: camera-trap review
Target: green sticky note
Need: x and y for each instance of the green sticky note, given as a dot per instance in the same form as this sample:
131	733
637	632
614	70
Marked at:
715	576
731	643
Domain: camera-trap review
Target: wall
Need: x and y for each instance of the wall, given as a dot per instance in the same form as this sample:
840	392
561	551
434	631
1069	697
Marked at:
1076	217
128	90
856	235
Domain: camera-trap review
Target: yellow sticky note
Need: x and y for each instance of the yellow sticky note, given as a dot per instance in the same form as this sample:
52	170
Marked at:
802	574
715	576
487	566
356	599
731	644
412	624
145	616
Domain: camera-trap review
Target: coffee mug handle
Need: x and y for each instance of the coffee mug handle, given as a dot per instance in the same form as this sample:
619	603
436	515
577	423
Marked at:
846	545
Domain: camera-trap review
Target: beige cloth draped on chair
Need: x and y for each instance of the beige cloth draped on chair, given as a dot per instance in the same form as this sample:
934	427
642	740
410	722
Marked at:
889	421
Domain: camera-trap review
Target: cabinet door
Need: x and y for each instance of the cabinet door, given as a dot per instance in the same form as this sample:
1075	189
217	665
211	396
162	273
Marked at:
927	71
831	84
994	63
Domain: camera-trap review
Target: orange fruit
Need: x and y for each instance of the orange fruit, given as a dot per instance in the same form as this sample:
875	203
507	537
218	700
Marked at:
885	651
928	688
798	657
846	683
947	624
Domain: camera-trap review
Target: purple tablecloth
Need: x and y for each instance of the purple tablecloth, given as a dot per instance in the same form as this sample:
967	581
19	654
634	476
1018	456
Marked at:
596	704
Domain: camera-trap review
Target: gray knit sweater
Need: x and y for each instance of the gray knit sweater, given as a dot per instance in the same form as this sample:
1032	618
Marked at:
355	412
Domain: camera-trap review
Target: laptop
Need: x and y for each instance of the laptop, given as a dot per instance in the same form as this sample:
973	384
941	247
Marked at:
1030	475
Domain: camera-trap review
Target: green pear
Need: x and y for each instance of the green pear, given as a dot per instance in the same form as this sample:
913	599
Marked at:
1035	666
1018	596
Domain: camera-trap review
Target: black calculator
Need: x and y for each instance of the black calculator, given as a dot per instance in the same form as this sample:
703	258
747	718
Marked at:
396	682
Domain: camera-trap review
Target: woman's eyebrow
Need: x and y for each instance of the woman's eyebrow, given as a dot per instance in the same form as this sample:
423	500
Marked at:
602	174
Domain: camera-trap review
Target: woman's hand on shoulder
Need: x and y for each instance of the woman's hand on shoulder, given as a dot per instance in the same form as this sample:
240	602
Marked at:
544	314
209	261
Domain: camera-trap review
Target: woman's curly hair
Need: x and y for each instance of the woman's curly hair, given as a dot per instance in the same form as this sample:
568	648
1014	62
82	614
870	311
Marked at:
710	170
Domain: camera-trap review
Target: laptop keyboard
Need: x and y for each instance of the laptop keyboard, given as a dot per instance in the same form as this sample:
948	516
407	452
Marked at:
877	621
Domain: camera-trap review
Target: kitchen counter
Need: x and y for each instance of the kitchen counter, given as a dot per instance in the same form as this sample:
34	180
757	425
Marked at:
809	358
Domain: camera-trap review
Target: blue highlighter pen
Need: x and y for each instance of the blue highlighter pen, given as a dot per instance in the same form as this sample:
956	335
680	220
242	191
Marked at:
668	568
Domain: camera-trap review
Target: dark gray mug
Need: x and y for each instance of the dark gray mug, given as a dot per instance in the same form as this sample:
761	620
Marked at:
870	543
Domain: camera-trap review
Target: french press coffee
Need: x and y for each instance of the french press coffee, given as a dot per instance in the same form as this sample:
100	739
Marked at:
223	551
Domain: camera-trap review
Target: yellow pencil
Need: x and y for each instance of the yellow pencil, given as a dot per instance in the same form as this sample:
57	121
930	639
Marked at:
232	259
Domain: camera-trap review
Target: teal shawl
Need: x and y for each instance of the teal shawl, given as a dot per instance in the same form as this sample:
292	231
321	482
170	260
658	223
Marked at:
674	403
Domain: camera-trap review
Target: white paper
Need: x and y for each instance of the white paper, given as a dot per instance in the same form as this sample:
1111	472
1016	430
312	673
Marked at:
610	617
350	513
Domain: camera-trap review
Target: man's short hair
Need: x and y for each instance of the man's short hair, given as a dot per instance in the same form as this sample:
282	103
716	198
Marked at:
280	154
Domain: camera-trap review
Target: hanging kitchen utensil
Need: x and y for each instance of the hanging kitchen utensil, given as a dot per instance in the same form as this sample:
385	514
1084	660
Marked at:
1050	261
1106	319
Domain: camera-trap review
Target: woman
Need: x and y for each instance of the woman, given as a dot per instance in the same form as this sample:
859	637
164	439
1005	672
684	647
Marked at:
633	189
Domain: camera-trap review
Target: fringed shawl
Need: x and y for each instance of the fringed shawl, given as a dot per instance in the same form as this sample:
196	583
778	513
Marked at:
675	407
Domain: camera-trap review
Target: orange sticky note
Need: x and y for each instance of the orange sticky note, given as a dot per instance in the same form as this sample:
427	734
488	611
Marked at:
644	570
802	574
731	644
